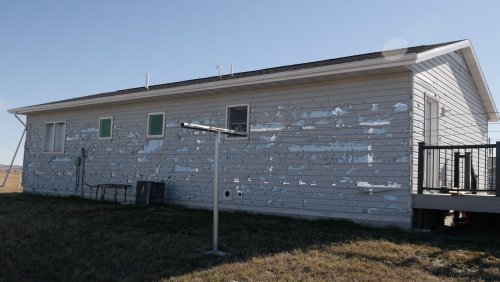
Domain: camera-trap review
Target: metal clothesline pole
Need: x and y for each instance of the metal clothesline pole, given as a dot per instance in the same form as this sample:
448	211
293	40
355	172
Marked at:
216	193
217	132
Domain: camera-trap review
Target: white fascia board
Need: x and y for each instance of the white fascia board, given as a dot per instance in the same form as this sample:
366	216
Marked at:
424	56
288	75
481	84
475	69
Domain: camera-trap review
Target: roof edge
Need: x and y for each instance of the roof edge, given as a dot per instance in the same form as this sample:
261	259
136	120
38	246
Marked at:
280	76
301	74
475	69
481	84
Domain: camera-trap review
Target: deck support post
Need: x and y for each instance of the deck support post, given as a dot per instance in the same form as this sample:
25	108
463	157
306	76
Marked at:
421	159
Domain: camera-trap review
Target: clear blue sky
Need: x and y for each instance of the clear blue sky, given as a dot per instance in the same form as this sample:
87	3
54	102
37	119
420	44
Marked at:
53	50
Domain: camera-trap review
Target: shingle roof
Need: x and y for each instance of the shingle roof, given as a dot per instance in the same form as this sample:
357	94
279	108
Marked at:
343	60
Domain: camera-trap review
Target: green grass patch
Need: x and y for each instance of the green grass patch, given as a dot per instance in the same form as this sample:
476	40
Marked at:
67	239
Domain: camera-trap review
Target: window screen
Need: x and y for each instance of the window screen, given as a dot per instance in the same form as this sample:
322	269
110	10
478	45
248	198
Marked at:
53	139
155	125
105	127
238	119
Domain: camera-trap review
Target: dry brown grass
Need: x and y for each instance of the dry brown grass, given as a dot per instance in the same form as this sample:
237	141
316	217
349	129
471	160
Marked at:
66	239
11	184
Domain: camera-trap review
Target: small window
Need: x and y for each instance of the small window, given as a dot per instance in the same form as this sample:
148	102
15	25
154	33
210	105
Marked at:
53	138
237	119
105	127
155	124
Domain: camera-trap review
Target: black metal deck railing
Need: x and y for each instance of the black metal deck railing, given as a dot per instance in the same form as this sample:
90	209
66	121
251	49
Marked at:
459	168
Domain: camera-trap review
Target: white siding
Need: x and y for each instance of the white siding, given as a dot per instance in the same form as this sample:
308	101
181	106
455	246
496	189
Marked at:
462	118
334	149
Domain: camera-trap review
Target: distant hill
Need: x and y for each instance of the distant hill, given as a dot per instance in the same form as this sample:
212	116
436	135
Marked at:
5	167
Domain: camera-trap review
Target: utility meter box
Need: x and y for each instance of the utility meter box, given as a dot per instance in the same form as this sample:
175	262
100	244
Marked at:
150	193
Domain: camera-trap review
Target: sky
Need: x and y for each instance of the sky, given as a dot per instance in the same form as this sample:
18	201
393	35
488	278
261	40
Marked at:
54	50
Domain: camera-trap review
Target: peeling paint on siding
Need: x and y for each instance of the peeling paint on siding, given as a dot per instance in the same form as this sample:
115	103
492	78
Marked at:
368	185
400	107
390	198
337	146
351	170
178	168
151	147
89	129
270	126
59	159
268	138
338	112
317	153
375	122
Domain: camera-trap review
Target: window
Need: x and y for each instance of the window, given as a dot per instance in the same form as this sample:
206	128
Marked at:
237	119
155	124
53	138
105	127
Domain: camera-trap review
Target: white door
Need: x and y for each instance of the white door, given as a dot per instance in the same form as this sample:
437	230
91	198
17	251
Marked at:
431	122
431	139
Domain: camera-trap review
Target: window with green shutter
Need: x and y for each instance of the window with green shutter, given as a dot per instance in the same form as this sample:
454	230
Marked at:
155	124
105	127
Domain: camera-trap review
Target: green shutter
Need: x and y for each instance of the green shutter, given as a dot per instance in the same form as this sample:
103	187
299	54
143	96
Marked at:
155	125
105	128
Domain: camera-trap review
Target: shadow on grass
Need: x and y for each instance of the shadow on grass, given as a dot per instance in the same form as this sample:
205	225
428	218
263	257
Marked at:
55	238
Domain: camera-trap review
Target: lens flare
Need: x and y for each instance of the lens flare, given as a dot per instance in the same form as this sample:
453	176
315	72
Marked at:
394	49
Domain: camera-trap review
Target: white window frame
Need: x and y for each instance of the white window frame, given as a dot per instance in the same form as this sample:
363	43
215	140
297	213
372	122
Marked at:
162	128
53	141
248	121
99	129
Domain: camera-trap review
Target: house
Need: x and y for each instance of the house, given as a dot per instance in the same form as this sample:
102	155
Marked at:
334	138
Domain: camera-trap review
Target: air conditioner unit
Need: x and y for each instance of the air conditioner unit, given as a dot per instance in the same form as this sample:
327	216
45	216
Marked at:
150	193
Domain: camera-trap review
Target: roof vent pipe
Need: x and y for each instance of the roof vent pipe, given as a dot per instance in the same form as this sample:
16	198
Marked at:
231	69
219	67
147	80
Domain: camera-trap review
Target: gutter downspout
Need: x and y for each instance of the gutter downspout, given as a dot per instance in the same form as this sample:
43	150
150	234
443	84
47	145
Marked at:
12	162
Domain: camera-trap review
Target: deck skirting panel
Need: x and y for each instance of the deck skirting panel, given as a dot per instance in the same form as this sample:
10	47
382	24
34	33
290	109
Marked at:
473	203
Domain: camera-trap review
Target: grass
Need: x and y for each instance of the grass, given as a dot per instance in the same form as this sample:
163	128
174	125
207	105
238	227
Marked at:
66	239
11	183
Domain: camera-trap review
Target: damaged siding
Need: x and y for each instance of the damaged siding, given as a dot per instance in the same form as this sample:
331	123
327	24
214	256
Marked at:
335	149
462	118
